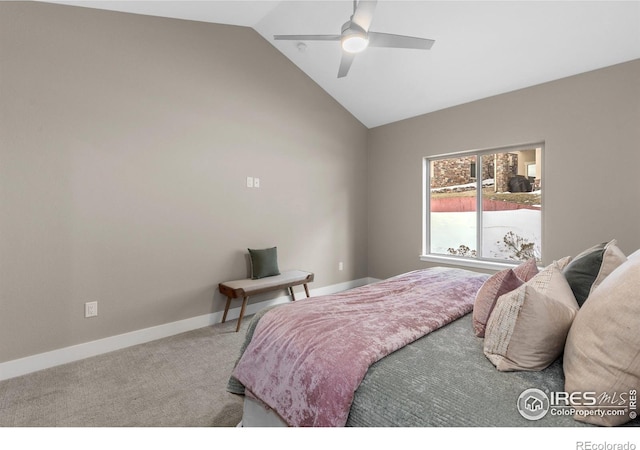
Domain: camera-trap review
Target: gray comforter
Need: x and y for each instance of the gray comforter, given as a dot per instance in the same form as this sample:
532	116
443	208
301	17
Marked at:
444	379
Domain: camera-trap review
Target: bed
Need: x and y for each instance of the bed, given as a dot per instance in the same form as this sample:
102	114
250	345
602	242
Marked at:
436	375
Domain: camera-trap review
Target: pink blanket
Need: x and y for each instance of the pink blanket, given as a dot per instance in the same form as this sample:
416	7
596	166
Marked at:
306	359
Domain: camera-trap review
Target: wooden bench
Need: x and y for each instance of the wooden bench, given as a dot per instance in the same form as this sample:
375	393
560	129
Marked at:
246	287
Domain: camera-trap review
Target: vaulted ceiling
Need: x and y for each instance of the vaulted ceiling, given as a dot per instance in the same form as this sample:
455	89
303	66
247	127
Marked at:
482	48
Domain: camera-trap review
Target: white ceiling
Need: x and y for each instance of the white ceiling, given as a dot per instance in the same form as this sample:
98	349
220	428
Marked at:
482	48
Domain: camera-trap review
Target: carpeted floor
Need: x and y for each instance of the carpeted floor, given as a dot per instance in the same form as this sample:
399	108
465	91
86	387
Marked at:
178	381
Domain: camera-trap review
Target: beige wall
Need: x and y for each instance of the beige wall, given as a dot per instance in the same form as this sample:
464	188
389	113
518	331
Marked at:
125	143
590	126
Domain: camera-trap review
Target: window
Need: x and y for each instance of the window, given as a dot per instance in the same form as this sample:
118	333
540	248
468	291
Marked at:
484	207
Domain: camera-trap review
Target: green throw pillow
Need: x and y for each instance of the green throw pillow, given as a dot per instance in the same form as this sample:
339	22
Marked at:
264	262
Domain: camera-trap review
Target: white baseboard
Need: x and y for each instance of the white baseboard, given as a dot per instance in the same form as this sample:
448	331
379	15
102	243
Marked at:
23	366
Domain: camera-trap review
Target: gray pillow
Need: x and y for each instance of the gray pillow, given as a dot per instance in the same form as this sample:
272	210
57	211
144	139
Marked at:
587	270
264	262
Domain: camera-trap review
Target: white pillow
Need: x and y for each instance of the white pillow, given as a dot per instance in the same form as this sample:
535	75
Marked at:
602	353
635	254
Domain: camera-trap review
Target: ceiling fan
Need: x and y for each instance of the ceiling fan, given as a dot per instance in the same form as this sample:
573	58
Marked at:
355	36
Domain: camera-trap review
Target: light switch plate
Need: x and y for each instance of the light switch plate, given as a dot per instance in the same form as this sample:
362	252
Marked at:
91	309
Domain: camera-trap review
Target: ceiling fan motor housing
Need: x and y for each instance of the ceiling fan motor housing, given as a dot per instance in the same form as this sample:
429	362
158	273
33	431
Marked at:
354	38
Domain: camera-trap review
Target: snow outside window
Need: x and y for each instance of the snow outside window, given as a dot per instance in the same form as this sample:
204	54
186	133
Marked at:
484	206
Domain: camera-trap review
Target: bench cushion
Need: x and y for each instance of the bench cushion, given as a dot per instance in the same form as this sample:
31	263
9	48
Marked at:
249	286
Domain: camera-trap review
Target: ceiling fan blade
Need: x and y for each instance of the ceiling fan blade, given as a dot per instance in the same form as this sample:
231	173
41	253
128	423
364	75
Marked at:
345	63
307	37
363	14
398	41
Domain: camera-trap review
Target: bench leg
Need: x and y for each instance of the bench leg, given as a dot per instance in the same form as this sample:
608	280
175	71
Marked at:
244	304
293	296
226	309
306	289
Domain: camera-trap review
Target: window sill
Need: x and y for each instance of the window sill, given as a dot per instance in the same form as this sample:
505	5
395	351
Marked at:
465	262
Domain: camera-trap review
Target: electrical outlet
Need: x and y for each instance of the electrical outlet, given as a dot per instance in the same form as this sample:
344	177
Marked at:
90	309
340	266
256	182
249	182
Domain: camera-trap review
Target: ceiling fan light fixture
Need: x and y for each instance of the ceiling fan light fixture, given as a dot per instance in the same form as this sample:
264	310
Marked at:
354	43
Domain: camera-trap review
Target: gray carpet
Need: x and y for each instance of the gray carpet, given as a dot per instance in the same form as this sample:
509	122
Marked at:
179	381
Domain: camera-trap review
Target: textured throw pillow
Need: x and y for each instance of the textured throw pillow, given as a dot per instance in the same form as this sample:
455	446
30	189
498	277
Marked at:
591	267
563	262
527	270
264	262
496	285
602	353
528	326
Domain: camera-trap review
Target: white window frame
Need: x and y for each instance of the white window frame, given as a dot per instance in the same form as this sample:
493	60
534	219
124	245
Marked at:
480	262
